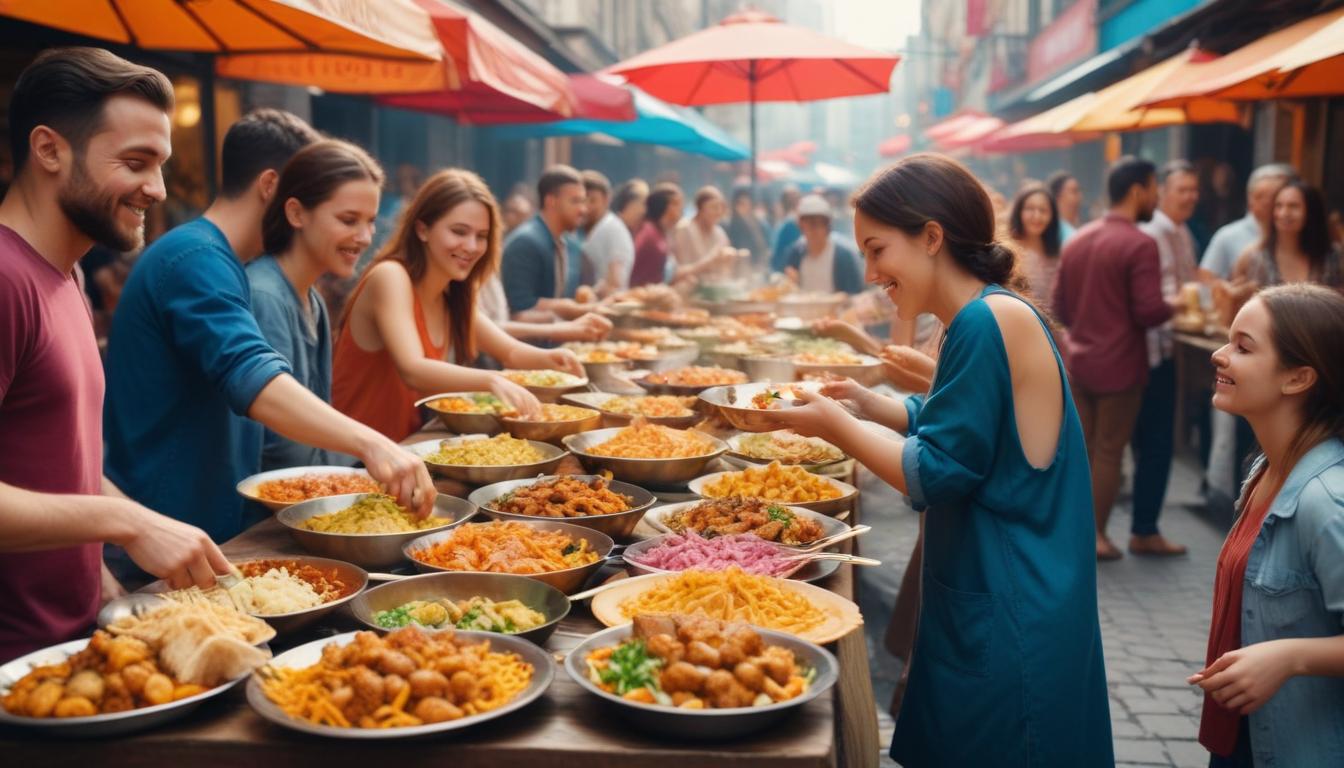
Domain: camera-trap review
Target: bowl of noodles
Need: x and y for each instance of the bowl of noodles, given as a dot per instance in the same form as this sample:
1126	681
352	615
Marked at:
481	460
646	453
307	688
368	530
563	555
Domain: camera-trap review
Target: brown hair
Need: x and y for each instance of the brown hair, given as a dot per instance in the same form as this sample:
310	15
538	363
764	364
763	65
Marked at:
1307	329
931	187
1314	240
66	89
1050	237
439	195
705	194
312	176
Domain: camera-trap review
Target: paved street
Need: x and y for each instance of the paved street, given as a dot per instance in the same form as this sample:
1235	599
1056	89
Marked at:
1154	620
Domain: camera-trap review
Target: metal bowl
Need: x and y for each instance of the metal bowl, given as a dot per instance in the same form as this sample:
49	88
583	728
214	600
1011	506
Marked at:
368	550
734	403
738	458
658	516
640	471
595	400
813	571
543	672
485	475
606	370
619	525
463	423
552	394
769	368
867	373
672	357
500	587
93	726
550	431
671	389
247	487
832	507
568	580
809	307
282	623
702	724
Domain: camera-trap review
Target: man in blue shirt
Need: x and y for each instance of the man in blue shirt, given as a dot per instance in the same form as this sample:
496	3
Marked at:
821	261
535	263
186	361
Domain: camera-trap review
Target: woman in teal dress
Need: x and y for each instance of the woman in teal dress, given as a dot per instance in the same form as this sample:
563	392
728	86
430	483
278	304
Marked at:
1007	668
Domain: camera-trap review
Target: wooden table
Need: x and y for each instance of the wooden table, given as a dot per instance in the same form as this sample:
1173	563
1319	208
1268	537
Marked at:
565	728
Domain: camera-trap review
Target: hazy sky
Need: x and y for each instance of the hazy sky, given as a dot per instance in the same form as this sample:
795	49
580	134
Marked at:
881	24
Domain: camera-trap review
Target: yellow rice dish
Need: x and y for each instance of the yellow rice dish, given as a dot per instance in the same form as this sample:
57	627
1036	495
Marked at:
374	513
498	451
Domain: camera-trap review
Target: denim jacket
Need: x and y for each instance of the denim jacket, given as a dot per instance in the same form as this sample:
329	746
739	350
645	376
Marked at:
1295	588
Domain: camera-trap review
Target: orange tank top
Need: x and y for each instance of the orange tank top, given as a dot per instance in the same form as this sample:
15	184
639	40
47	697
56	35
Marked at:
366	385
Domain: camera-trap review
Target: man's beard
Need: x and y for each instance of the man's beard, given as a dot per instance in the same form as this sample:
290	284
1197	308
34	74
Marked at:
94	212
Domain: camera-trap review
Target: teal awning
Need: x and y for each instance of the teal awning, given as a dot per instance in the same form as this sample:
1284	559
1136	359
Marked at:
656	122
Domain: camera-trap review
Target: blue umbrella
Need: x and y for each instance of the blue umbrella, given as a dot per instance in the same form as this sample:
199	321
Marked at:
656	122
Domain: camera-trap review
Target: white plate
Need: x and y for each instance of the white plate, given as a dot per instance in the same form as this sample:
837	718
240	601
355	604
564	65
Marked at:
247	487
112	724
543	671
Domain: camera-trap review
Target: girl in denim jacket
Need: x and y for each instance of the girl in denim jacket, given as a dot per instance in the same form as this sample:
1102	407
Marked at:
1274	680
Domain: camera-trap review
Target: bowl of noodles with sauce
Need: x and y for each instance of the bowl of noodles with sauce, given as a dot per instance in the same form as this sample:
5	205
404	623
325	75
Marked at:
563	555
646	453
368	530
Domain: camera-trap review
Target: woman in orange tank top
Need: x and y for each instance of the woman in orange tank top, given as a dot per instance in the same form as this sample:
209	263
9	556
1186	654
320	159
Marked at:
423	286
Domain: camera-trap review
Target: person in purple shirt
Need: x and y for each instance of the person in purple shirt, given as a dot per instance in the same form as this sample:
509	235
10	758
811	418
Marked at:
1108	292
89	133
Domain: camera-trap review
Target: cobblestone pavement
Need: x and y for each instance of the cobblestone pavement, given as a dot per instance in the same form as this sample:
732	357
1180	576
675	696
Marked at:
1154	622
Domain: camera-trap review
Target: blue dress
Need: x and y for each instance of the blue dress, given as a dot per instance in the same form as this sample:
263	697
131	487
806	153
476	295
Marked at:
1007	667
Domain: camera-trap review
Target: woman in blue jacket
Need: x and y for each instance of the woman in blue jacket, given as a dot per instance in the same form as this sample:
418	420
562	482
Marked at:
1274	680
1007	668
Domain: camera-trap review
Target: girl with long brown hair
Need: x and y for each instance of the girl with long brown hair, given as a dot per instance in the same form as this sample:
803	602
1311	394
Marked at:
1007	668
1274	674
416	308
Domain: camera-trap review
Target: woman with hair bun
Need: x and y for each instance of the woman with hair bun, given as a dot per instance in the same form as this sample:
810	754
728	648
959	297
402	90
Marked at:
1007	668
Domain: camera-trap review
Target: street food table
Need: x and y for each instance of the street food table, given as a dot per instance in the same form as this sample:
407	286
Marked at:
565	728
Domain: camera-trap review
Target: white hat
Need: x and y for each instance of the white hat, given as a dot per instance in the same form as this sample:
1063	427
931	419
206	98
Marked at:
814	205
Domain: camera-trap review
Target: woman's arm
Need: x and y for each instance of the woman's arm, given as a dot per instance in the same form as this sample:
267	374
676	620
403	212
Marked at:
825	418
513	353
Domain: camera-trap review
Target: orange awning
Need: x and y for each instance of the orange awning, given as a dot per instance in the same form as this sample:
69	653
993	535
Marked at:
332	44
1119	107
1303	59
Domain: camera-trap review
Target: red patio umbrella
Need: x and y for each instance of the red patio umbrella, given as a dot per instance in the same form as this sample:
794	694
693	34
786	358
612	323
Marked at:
753	57
497	79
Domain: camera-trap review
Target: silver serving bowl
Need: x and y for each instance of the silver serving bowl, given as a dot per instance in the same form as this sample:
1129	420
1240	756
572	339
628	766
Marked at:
654	388
568	580
813	571
369	550
736	457
619	525
247	487
703	724
487	474
549	431
832	507
282	623
640	471
777	368
595	400
669	358
733	402
658	516
807	307
867	373
462	423
93	726
543	672
552	394
499	587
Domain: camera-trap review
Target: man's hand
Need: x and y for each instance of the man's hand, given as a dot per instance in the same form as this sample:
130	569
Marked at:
180	554
401	472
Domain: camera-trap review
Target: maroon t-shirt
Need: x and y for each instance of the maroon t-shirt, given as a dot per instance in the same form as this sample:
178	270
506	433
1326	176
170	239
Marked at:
650	256
51	440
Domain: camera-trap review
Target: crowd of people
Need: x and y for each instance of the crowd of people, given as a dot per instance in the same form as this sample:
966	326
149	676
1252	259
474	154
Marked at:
1038	347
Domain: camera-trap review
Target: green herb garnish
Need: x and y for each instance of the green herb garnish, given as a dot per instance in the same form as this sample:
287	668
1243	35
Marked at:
631	667
393	619
779	513
569	550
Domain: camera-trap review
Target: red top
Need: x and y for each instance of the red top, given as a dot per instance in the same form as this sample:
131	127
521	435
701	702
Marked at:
650	256
51	440
1108	293
366	385
1218	726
